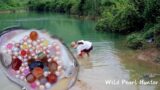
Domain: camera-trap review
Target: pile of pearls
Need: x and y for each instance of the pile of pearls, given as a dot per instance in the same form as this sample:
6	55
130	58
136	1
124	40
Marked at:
36	61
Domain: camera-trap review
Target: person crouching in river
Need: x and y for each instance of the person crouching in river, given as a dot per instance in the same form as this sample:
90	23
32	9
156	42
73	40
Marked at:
82	47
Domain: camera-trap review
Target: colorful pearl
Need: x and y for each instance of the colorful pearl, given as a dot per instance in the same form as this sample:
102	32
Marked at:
23	53
37	72
16	63
52	78
33	35
9	46
30	78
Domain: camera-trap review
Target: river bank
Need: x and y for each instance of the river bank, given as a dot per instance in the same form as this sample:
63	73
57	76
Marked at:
13	11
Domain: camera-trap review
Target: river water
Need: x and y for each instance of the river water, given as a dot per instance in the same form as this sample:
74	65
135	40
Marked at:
110	60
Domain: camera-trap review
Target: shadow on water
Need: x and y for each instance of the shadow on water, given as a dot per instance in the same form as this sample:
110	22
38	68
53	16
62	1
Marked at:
110	59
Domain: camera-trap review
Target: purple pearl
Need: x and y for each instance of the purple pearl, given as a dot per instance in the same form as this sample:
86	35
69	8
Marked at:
26	72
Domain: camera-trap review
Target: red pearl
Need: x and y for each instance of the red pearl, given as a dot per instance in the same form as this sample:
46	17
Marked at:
30	78
23	53
33	35
53	66
16	63
52	78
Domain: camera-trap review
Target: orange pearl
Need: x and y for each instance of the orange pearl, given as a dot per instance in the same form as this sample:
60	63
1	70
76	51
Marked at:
37	72
33	35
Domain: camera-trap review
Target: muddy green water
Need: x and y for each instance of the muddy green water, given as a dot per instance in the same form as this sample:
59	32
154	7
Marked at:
109	61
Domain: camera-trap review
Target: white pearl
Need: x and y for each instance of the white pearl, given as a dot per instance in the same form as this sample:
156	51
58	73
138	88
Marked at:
57	47
18	72
49	60
23	64
38	40
59	62
35	43
35	56
57	73
25	59
27	67
48	55
56	58
58	53
14	57
15	49
44	48
47	51
26	63
47	85
22	69
45	73
29	45
29	57
19	57
29	41
25	43
37	83
41	87
15	53
21	77
59	68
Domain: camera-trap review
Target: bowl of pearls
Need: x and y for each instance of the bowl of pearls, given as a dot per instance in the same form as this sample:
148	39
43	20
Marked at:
35	60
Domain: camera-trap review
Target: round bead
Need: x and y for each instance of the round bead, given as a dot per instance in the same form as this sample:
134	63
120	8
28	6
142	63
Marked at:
17	76
26	72
30	78
45	73
9	46
15	49
36	64
33	85
52	78
49	60
45	43
24	46
47	85
58	53
33	35
37	72
41	87
16	63
23	53
53	66
22	77
37	83
57	48
43	80
57	73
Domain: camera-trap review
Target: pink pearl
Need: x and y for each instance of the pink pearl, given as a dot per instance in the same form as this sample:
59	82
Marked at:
33	85
9	45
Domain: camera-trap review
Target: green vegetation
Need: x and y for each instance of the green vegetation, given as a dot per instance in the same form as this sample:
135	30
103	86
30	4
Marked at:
13	4
79	7
139	19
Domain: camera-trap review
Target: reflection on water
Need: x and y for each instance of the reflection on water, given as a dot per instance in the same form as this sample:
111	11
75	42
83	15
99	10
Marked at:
109	60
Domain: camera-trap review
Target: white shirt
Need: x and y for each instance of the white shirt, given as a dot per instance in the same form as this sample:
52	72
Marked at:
85	45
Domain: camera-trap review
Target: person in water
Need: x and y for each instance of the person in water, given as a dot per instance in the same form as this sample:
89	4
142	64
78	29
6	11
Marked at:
82	47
